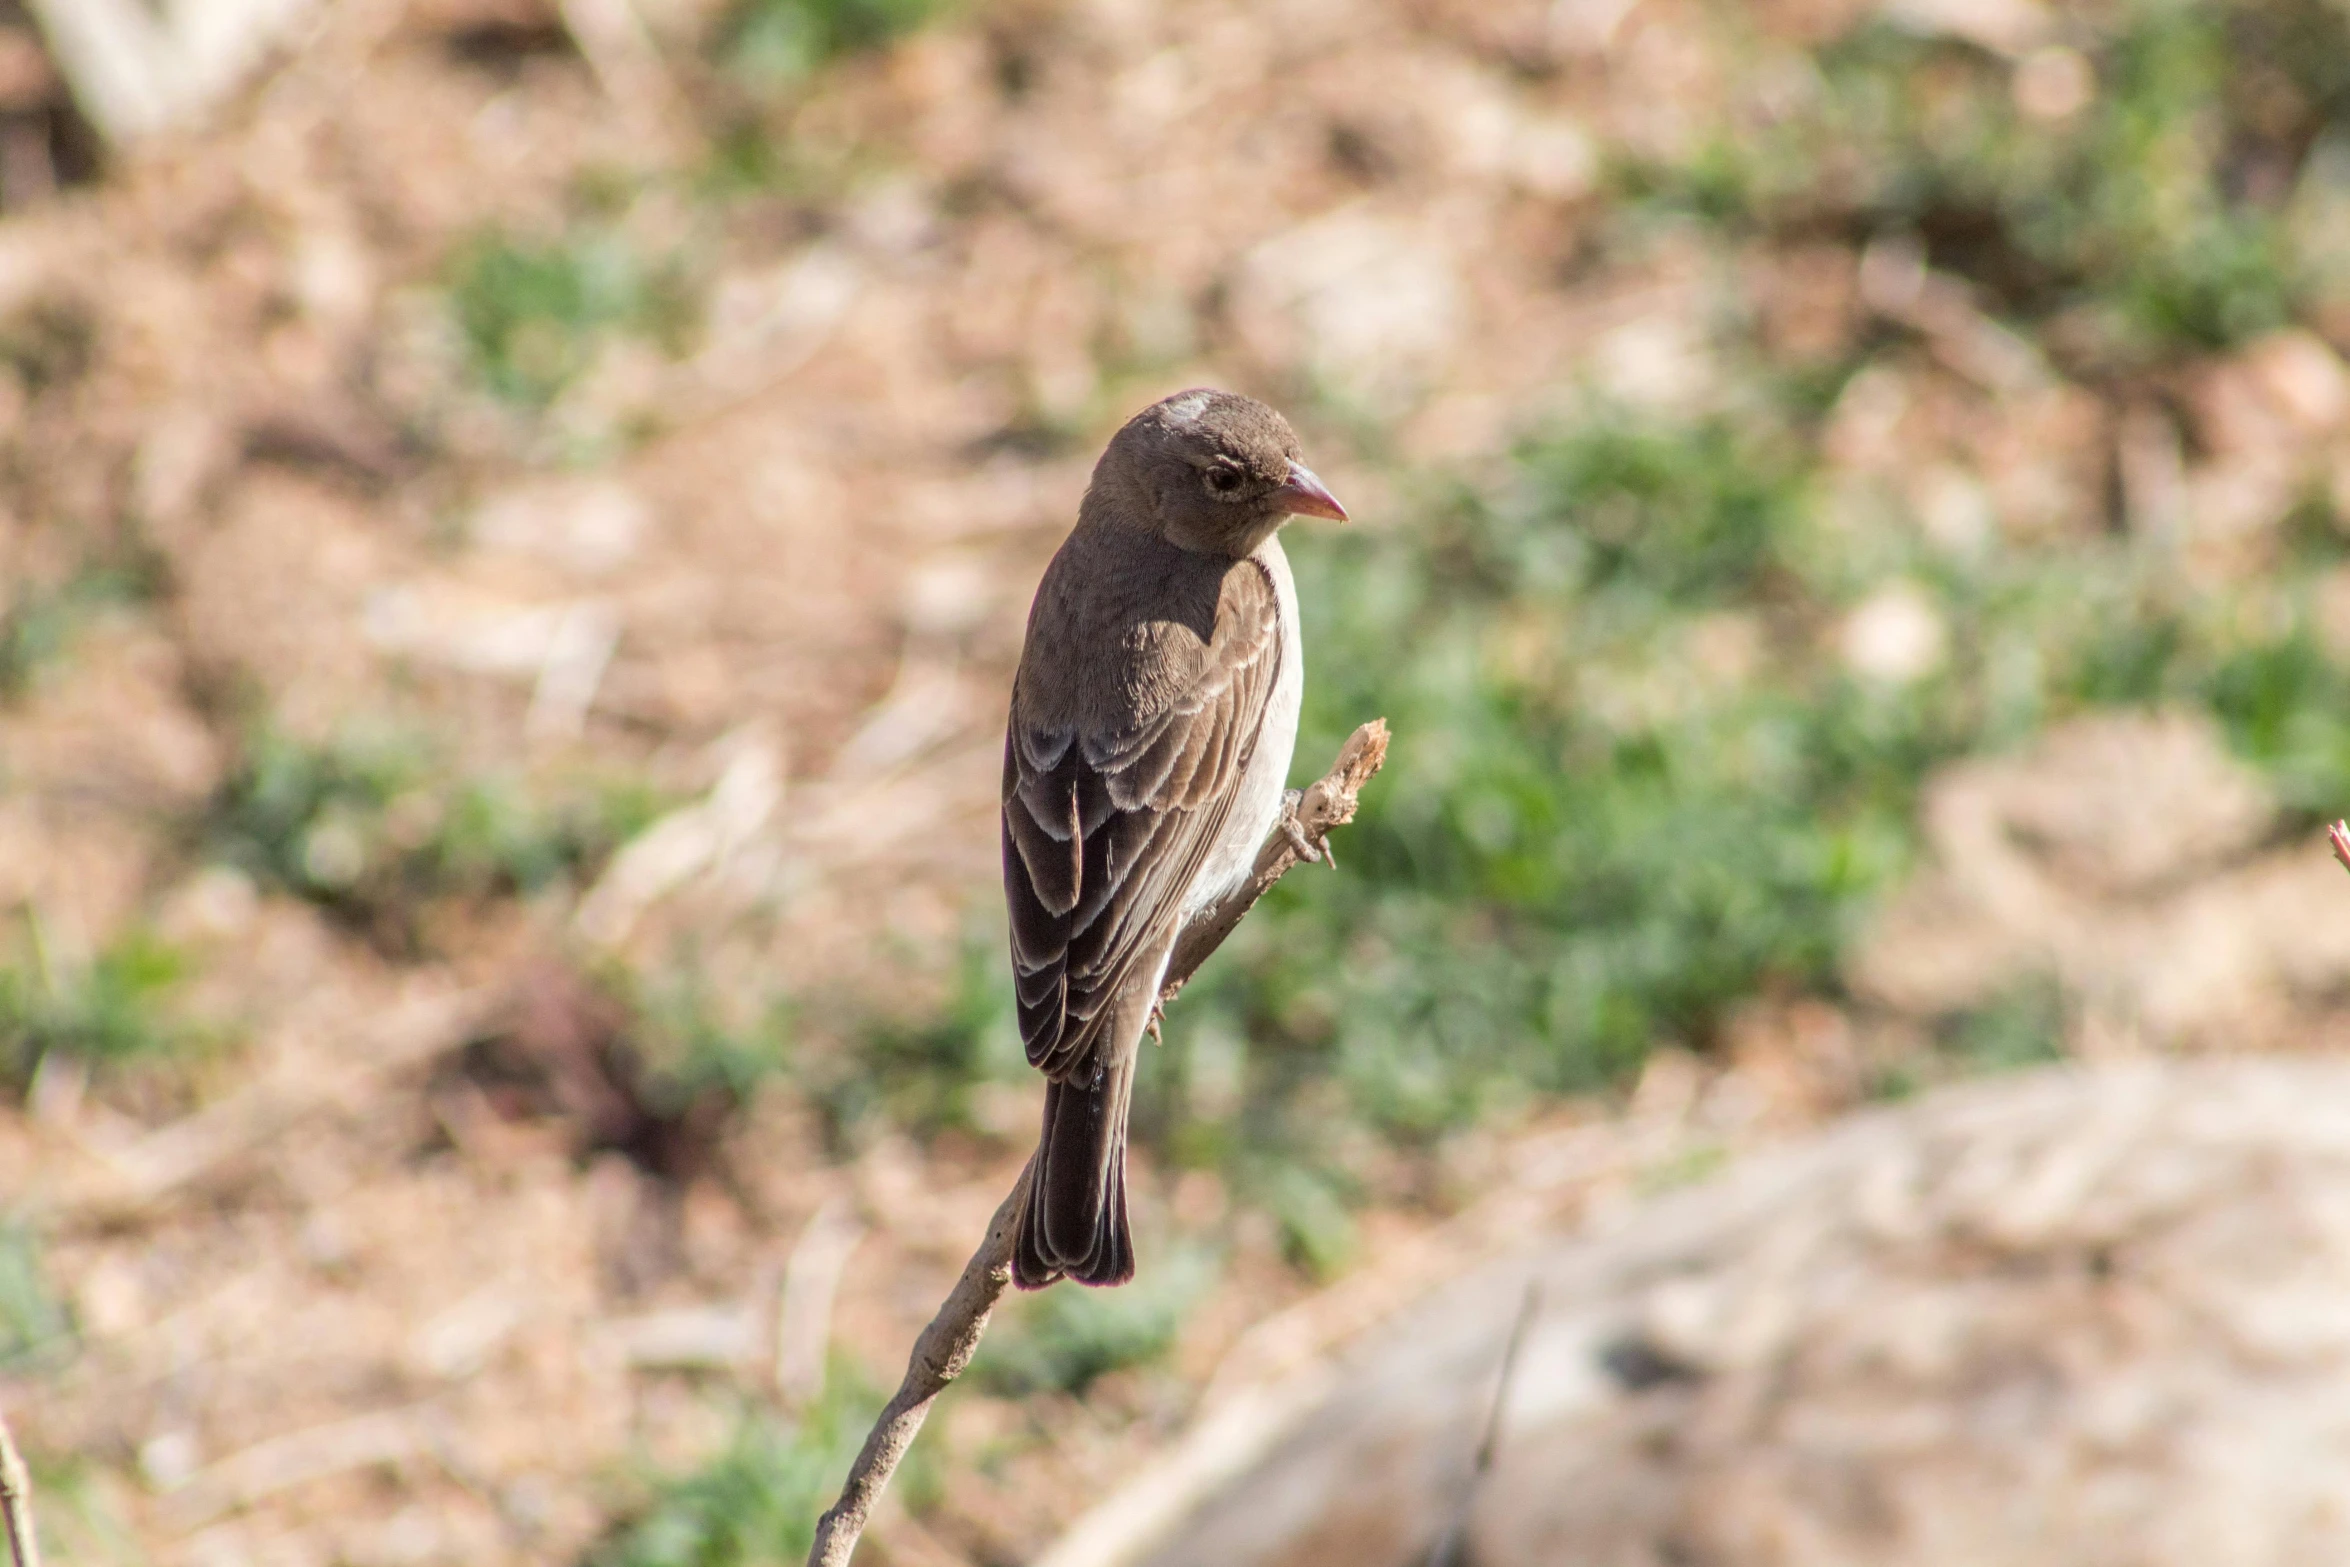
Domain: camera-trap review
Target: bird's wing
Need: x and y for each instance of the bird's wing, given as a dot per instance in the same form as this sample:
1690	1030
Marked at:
1104	833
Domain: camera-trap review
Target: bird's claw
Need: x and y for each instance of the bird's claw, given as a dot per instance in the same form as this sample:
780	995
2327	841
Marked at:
1151	1025
1306	849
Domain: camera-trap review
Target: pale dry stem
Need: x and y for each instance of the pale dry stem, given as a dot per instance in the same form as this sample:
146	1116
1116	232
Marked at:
16	1504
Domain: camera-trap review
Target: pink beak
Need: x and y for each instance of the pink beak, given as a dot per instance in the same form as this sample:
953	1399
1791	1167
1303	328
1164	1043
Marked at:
1305	496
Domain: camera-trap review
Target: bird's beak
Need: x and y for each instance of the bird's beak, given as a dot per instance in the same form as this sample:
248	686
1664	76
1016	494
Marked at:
1305	496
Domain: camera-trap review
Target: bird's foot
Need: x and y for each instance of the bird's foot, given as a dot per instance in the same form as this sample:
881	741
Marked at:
1307	849
1158	1016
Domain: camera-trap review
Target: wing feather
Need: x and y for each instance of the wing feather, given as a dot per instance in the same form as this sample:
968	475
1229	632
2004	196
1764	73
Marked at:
1105	832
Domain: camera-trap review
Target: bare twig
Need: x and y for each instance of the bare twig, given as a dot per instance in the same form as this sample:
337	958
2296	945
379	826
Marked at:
1447	1550
940	1355
952	1338
16	1503
1328	803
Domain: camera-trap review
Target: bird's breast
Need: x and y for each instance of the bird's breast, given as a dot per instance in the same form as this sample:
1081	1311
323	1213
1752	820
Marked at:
1256	804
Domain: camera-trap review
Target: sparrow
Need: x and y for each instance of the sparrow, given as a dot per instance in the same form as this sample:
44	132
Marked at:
1152	722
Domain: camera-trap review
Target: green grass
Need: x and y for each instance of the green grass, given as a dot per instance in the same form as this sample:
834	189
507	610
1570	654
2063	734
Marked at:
785	40
1062	1340
34	1328
370	826
2166	205
754	1503
38	624
534	312
692	1043
2023	1027
34	629
114	1009
925	1069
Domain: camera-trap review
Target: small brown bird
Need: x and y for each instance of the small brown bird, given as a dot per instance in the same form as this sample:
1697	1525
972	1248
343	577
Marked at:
1152	722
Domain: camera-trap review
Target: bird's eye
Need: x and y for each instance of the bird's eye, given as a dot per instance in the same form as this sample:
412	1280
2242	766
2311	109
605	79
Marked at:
1223	480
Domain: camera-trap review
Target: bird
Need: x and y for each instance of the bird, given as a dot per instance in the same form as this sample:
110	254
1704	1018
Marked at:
1146	758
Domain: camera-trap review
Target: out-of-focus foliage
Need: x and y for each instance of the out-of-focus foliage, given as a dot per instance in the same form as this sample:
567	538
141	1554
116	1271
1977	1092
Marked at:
114	1008
369	826
37	624
929	1070
2022	1029
33	1325
754	1504
690	1043
533	314
2179	170
786	39
1062	1340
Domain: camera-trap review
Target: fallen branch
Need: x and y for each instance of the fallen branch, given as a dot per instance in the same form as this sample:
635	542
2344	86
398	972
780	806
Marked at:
946	1346
16	1504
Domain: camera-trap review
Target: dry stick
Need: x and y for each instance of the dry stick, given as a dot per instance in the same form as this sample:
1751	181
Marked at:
16	1503
1447	1551
132	72
947	1345
1328	802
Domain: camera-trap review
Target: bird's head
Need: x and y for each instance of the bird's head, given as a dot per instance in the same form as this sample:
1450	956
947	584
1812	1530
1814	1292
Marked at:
1211	472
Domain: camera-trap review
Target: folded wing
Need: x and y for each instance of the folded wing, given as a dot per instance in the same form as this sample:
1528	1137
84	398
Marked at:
1105	832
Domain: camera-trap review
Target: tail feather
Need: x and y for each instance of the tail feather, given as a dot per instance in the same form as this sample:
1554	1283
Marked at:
1075	1222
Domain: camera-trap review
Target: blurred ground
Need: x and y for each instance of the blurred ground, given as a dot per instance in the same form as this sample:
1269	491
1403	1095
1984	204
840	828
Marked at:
510	558
2080	1317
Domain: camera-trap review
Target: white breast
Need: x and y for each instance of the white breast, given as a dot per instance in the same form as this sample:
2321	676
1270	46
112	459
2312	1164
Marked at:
1257	806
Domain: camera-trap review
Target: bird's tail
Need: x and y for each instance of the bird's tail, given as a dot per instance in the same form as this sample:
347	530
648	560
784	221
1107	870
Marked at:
1075	1221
